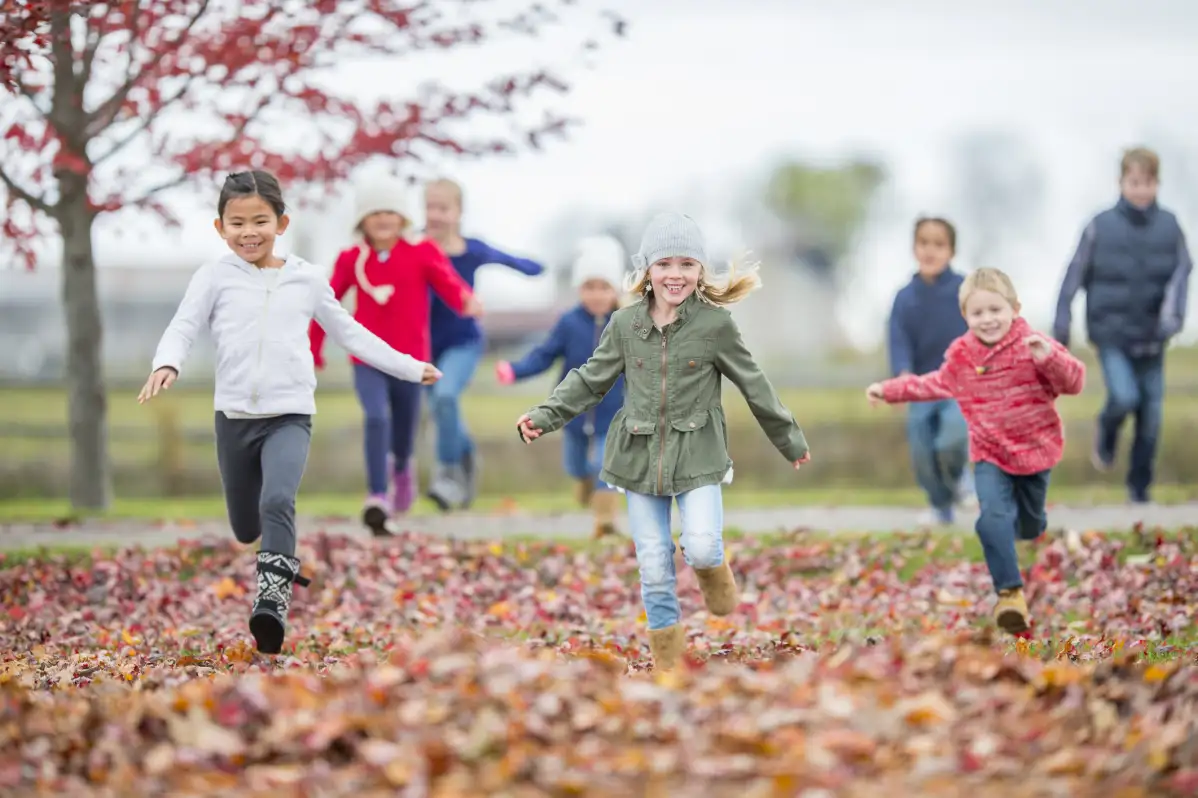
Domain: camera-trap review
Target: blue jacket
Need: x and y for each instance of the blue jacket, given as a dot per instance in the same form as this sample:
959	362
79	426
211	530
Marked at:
573	339
1135	269
925	319
447	328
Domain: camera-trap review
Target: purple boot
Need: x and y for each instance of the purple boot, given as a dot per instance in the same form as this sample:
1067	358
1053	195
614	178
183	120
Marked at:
403	488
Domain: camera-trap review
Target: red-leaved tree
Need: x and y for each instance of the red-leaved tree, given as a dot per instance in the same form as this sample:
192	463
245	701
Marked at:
121	101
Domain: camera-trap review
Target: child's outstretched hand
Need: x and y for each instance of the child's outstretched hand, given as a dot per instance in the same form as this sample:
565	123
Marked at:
431	374
804	459
528	433
1039	346
504	373
160	380
875	394
473	308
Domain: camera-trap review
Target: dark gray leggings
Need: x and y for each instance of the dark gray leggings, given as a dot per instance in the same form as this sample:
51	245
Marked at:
261	462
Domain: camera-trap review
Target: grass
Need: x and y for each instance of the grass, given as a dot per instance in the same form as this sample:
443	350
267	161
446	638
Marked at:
349	505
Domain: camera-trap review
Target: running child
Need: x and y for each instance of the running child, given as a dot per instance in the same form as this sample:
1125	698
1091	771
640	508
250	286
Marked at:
457	344
393	276
925	319
598	276
257	307
669	441
1006	378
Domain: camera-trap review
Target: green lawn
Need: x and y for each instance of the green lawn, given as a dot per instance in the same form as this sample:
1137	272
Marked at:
348	506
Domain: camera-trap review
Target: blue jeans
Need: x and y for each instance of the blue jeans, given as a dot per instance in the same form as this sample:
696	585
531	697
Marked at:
939	443
392	410
457	365
702	543
1012	507
582	456
1133	385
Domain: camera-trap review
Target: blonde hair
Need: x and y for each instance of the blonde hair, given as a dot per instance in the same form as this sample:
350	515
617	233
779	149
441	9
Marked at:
741	280
444	182
1142	157
988	279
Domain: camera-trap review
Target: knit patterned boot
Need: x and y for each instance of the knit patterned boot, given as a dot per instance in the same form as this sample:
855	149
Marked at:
277	575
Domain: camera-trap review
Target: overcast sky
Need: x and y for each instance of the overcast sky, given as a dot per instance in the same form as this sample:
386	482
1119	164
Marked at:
713	89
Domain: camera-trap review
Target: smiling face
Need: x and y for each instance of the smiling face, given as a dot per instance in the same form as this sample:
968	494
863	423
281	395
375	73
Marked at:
989	315
250	226
442	209
383	229
674	279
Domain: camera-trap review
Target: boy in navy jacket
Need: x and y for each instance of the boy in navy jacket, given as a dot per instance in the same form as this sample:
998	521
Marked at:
598	275
1134	266
925	319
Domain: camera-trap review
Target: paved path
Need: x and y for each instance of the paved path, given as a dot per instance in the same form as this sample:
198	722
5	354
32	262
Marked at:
478	525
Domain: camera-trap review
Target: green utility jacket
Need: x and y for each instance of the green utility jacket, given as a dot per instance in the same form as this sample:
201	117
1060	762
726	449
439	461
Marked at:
670	436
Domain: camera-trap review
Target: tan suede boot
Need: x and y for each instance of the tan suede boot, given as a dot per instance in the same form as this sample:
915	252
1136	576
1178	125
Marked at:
719	589
583	489
667	646
603	506
1011	611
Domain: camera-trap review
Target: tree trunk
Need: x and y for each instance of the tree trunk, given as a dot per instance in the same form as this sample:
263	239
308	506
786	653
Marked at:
91	478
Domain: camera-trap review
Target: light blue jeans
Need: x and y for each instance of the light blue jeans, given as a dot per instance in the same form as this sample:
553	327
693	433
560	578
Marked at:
702	541
457	365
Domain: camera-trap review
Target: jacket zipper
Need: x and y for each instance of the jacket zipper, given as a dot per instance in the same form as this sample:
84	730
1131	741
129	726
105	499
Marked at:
261	340
661	458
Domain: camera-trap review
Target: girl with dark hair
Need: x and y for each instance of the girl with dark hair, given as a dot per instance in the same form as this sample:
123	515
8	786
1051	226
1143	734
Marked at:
258	307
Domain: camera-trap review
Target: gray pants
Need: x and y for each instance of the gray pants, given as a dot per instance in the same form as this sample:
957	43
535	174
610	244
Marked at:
261	462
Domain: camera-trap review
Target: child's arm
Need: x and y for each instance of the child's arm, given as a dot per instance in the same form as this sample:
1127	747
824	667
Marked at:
523	265
1065	373
543	356
340	282
193	314
939	384
735	361
1173	309
584	387
361	342
444	279
899	341
1075	278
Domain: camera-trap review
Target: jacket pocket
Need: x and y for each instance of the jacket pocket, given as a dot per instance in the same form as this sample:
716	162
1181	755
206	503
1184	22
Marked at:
701	446
629	453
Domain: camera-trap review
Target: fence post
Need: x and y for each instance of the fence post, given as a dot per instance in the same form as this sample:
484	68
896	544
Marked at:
170	451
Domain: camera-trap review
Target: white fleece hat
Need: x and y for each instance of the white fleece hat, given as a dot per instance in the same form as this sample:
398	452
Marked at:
600	258
380	194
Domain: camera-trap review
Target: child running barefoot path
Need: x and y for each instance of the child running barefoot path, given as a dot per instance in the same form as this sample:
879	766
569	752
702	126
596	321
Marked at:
598	276
1006	378
258	308
669	441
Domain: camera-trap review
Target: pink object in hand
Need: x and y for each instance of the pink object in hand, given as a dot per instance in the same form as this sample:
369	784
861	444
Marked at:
505	373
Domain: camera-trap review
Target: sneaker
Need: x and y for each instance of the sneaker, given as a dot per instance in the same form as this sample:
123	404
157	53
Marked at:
374	516
1010	613
936	516
470	465
448	490
1102	461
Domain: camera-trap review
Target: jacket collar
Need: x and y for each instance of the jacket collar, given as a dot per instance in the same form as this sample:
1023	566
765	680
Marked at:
1138	216
1020	329
945	276
289	262
642	322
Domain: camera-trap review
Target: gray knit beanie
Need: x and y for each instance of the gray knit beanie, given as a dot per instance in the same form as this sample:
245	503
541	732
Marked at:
671	235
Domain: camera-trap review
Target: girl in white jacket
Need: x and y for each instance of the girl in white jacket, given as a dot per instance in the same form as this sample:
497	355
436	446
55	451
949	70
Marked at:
258	308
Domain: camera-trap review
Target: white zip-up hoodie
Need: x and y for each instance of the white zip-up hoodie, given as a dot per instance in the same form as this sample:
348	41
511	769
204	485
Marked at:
263	355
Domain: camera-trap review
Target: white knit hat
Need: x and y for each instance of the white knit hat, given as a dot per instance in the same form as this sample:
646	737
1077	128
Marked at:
600	258
381	194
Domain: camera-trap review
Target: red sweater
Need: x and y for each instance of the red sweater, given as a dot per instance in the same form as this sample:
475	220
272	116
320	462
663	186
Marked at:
1005	395
392	297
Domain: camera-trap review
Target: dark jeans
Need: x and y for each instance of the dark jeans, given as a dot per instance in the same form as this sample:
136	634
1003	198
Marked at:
392	409
262	461
1011	507
1134	385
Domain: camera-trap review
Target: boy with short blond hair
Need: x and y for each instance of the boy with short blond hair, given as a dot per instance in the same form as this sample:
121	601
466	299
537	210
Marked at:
1134	266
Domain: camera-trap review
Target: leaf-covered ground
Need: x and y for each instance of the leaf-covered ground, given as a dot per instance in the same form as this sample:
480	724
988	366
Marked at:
421	667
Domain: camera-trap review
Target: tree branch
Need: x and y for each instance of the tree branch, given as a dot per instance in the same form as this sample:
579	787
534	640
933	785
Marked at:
107	111
37	203
143	125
